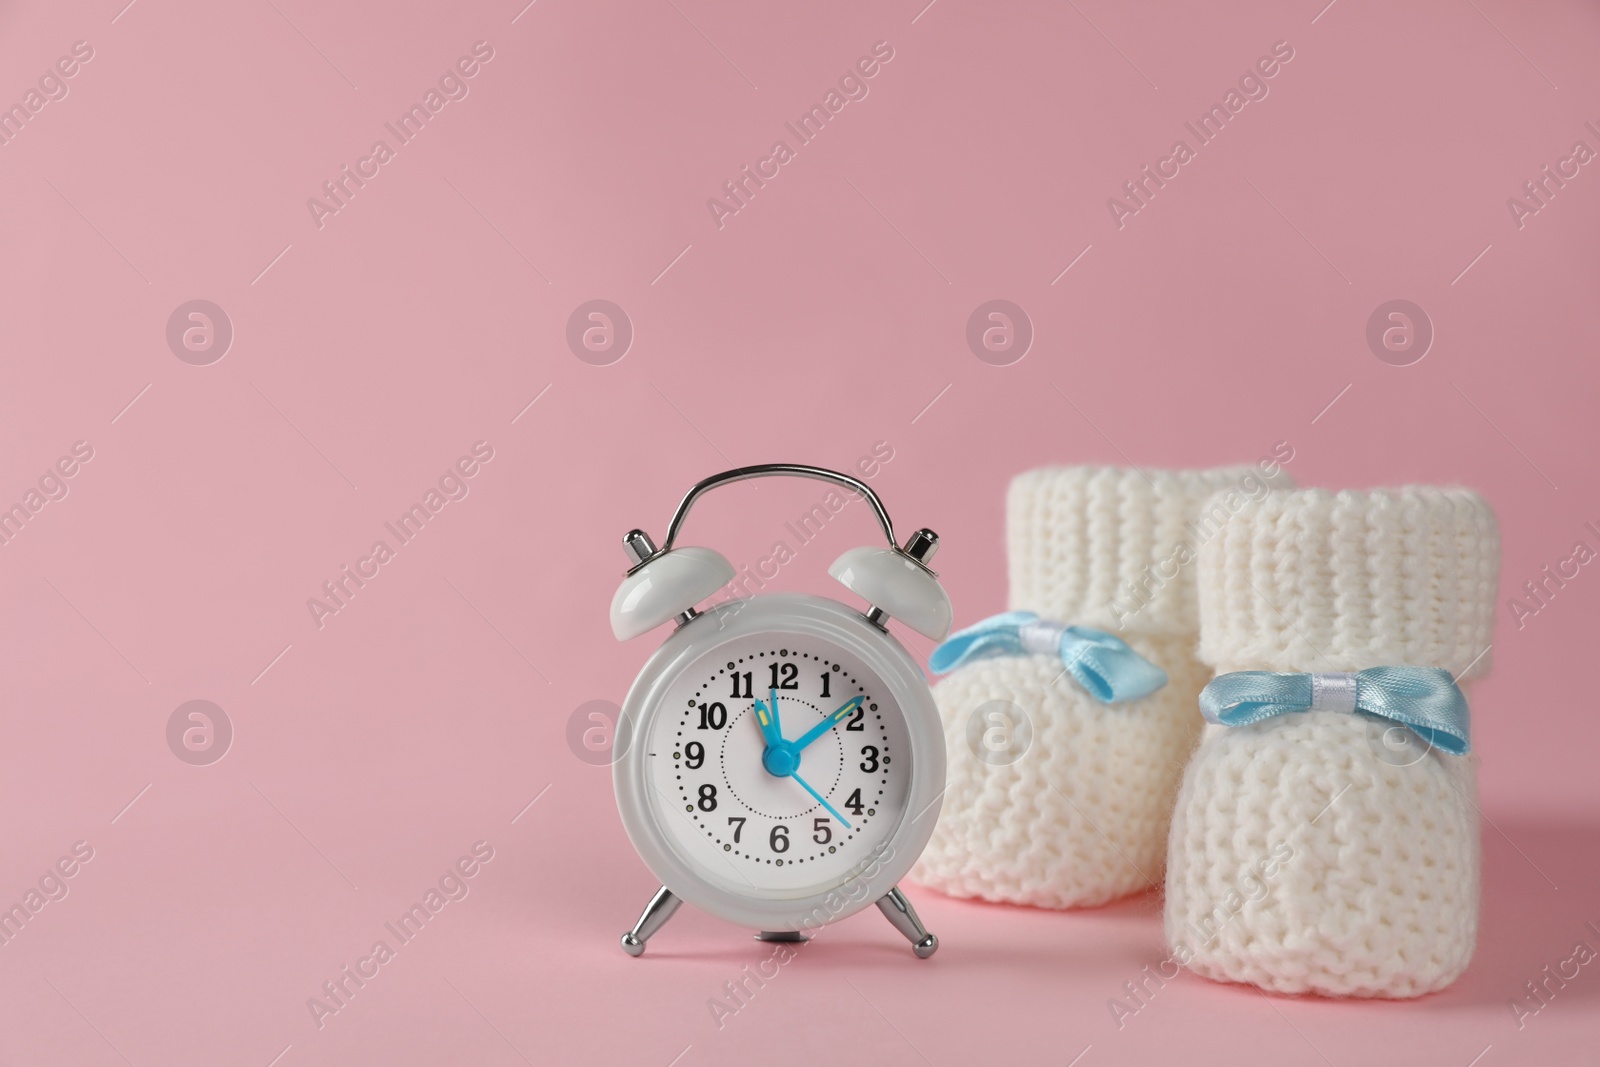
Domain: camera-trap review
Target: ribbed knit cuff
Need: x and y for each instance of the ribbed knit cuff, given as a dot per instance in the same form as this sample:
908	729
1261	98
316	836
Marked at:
1310	580
1116	548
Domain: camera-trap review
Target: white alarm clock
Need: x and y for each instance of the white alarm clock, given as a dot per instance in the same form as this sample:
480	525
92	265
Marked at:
785	761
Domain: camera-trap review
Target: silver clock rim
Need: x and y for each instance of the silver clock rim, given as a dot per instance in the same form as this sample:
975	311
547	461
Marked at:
806	615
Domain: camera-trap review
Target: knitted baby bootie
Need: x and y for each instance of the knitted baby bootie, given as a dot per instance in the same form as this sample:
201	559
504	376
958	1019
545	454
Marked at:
1325	839
1065	748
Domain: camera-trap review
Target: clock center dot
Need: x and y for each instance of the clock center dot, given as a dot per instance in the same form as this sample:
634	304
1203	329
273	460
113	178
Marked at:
781	760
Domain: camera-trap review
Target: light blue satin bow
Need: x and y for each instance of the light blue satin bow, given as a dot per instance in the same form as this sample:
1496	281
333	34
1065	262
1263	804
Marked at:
1426	699
1104	665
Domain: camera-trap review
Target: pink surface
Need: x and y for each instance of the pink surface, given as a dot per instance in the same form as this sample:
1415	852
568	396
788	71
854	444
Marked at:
829	313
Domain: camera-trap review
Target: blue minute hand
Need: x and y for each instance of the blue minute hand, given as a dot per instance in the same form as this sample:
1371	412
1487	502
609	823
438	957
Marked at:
821	800
828	723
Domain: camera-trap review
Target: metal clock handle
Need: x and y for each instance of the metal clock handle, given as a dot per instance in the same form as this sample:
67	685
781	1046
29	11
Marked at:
777	470
642	550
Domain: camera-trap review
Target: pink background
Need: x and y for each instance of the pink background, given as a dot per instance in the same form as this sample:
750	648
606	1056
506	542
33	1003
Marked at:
827	315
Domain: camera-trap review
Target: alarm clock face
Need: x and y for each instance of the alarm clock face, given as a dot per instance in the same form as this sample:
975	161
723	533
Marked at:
728	813
817	816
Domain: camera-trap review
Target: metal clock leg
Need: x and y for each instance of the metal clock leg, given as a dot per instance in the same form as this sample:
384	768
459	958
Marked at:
654	917
898	910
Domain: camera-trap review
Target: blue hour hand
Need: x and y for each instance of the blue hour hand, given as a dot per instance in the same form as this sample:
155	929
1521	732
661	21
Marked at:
821	800
767	719
777	720
828	723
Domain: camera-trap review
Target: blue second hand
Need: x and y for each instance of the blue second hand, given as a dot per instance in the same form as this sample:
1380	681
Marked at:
821	800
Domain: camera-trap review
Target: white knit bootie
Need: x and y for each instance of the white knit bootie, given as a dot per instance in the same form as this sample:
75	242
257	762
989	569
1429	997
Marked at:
1335	851
1054	798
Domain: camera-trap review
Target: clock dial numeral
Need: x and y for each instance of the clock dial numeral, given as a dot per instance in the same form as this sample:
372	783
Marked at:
855	722
788	672
694	755
708	797
738	680
822	832
714	716
869	758
737	822
779	839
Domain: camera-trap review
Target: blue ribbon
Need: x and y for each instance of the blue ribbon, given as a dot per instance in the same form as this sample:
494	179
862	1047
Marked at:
1425	699
1102	664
